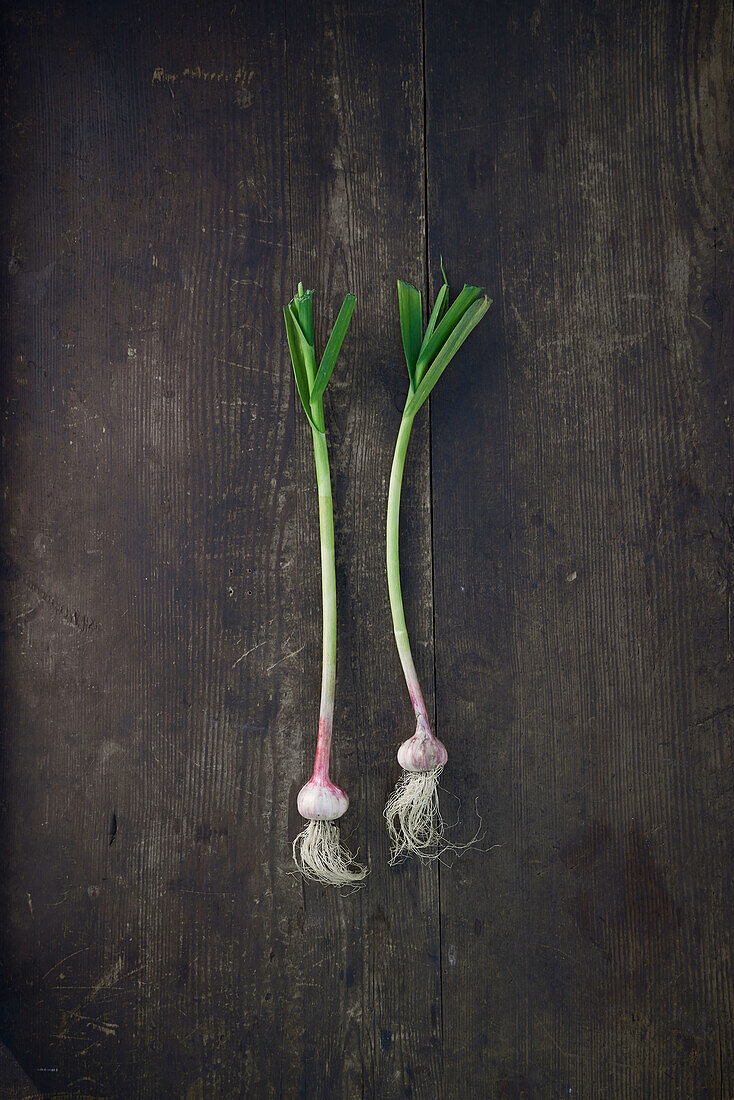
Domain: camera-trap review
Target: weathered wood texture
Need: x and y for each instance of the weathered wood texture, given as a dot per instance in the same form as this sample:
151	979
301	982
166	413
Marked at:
170	171
584	569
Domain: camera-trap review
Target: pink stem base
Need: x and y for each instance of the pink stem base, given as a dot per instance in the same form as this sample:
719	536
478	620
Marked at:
323	751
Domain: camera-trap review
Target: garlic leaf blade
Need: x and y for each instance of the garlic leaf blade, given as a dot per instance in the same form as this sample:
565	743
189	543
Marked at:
471	318
295	341
456	311
411	324
436	315
333	347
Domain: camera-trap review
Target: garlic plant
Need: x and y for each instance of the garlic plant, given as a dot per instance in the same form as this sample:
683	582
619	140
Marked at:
413	816
317	850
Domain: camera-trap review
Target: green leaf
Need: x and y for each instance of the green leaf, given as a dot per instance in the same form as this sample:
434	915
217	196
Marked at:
296	341
308	352
456	338
436	315
430	347
331	351
411	324
303	302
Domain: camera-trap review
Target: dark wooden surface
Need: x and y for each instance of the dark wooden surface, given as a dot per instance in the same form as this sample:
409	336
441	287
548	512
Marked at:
169	172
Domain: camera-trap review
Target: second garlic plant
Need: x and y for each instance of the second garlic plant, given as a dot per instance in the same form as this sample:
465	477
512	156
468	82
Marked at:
412	812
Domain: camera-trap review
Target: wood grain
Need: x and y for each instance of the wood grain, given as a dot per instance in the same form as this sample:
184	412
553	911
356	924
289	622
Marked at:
170	173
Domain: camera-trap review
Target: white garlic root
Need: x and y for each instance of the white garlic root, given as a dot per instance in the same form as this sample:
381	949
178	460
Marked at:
414	821
321	857
413	816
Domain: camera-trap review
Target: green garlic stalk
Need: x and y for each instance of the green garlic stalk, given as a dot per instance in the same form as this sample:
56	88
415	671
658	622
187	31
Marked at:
317	850
413	816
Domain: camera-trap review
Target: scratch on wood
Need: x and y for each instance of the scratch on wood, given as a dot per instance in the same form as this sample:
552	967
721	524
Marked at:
287	657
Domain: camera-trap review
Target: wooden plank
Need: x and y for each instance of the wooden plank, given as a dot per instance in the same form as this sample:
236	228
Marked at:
168	951
579	164
356	170
149	550
170	174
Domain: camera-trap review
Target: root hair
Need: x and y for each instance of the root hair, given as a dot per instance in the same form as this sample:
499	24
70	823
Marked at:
413	816
414	821
321	857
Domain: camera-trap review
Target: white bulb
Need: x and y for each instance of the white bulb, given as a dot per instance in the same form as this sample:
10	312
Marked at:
322	800
422	752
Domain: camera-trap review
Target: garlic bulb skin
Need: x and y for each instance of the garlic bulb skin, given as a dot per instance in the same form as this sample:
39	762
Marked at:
422	752
322	800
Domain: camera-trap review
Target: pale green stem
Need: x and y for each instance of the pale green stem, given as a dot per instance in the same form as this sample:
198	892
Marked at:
328	597
393	567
